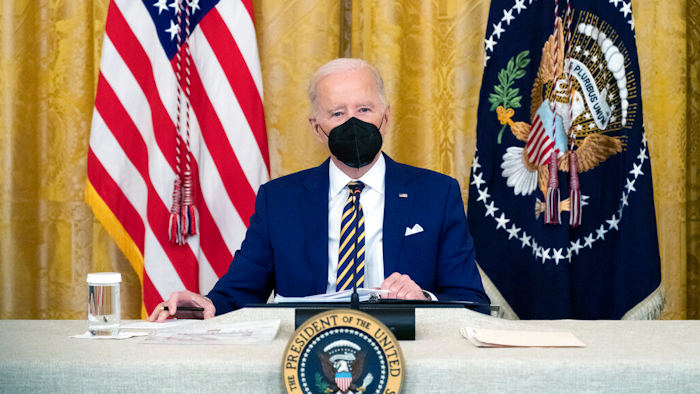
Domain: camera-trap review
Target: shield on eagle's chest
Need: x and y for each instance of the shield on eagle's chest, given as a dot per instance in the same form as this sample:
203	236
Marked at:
343	380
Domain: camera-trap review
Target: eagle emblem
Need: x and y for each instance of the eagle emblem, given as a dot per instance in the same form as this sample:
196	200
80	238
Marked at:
571	117
343	351
342	363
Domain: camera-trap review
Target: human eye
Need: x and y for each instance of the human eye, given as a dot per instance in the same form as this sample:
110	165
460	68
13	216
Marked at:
365	109
336	114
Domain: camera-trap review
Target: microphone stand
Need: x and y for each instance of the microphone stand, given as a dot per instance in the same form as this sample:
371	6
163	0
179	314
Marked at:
355	298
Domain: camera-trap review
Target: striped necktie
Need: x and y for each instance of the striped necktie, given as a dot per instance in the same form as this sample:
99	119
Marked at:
346	253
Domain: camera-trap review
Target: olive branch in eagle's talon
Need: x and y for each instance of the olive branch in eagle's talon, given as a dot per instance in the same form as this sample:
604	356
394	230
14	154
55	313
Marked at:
506	97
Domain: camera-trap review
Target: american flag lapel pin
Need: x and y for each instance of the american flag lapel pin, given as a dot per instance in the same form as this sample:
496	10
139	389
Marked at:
403	195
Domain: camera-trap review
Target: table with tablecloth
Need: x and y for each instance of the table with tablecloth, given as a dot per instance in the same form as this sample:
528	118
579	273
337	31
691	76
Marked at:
620	356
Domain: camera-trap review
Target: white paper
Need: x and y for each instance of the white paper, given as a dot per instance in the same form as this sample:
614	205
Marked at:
147	325
510	338
341	296
122	335
247	333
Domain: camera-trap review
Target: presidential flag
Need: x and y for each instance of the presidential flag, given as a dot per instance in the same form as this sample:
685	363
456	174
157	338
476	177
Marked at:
178	146
560	201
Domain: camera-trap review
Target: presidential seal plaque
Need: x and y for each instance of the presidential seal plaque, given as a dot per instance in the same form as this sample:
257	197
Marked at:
343	351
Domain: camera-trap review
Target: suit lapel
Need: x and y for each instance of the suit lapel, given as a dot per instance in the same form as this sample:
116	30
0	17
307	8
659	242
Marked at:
314	212
398	200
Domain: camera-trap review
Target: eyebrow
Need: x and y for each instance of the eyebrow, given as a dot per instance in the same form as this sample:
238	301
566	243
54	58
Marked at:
336	108
343	106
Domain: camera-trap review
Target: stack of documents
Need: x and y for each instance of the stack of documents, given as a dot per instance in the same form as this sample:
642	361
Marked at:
481	337
147	326
245	333
341	296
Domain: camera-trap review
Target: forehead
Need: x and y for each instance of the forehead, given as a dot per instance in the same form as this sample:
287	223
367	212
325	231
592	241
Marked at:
347	88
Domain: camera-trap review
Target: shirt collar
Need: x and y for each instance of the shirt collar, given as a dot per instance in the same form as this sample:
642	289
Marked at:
374	178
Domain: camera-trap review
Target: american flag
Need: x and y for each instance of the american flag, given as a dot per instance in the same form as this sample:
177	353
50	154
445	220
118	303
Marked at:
539	145
132	163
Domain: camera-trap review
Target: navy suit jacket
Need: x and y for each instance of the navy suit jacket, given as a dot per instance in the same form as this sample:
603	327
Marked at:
286	246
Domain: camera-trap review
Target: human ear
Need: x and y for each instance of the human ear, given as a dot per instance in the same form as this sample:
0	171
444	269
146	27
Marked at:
385	121
316	129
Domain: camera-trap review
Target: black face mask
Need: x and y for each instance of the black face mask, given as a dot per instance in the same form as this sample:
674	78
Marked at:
355	143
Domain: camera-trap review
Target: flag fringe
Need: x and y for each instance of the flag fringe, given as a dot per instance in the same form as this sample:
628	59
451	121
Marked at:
115	230
504	311
650	308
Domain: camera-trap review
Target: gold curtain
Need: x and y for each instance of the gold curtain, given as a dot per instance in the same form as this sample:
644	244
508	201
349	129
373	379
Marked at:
294	39
662	39
431	55
691	127
49	241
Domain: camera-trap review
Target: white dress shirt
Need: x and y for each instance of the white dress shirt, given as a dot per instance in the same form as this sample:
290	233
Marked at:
372	201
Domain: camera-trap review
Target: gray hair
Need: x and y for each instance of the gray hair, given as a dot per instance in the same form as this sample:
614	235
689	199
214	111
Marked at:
340	65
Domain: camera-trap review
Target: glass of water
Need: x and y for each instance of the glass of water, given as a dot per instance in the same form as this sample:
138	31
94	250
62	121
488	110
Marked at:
104	306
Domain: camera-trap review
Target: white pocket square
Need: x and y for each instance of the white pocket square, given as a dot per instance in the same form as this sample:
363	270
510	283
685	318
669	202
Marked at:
415	230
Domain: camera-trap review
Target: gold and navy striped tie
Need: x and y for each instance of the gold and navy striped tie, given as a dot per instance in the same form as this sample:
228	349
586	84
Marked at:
346	254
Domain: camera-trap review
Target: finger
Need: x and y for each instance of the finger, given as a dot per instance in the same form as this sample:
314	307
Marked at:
390	280
159	315
386	285
396	275
408	289
388	296
393	288
416	294
406	280
396	286
401	282
209	307
209	312
180	298
173	303
397	291
162	316
404	293
156	312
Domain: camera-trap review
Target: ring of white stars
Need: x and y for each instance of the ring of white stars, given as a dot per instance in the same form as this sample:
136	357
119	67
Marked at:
499	28
517	234
625	7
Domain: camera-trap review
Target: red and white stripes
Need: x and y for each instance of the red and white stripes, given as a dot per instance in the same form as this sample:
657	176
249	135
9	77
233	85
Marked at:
539	145
132	162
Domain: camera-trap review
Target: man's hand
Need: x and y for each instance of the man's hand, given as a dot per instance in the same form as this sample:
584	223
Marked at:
183	298
402	287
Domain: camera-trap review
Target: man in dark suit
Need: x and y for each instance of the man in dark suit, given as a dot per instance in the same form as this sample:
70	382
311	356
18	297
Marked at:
413	238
